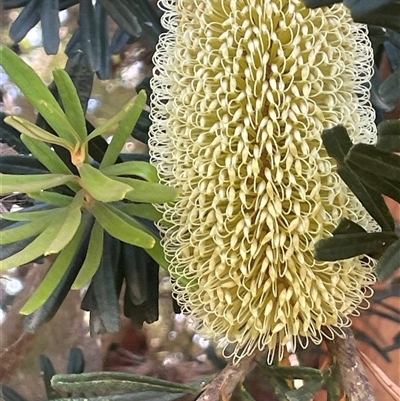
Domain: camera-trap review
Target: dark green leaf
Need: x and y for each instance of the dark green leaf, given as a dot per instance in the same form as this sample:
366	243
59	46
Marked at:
26	20
50	22
389	89
9	394
104	290
389	262
380	163
76	362
89	33
338	144
48	371
383	12
21	165
320	3
348	227
389	136
388	187
112	381
344	246
104	70
123	16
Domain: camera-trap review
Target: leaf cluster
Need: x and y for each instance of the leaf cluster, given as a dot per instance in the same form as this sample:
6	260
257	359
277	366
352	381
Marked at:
369	171
96	216
135	20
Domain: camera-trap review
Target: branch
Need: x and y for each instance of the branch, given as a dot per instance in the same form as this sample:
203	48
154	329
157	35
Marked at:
223	386
354	380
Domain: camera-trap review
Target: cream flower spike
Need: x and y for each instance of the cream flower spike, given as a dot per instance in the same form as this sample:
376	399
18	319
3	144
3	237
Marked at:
242	91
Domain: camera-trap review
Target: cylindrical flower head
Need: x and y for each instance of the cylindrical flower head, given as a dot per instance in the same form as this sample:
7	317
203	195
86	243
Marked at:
242	91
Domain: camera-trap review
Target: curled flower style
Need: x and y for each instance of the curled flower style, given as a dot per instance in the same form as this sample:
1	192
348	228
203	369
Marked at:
242	92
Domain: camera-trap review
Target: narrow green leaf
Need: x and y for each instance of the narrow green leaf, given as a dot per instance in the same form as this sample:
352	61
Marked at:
389	262
28	230
45	155
56	272
69	221
26	216
26	79
93	258
140	169
156	252
113	123
149	192
111	381
145	210
32	183
120	226
124	130
380	163
71	102
53	198
33	131
344	246
37	247
37	93
48	158
101	187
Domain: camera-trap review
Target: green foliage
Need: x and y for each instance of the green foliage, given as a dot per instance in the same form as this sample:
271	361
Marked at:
369	171
85	198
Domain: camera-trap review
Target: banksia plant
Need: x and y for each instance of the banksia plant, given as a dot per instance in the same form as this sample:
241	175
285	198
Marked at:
242	92
80	205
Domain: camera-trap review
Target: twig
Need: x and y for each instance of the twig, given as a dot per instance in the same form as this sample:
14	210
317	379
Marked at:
390	387
354	380
223	386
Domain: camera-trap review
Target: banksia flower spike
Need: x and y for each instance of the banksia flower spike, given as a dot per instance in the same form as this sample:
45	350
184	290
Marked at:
242	92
